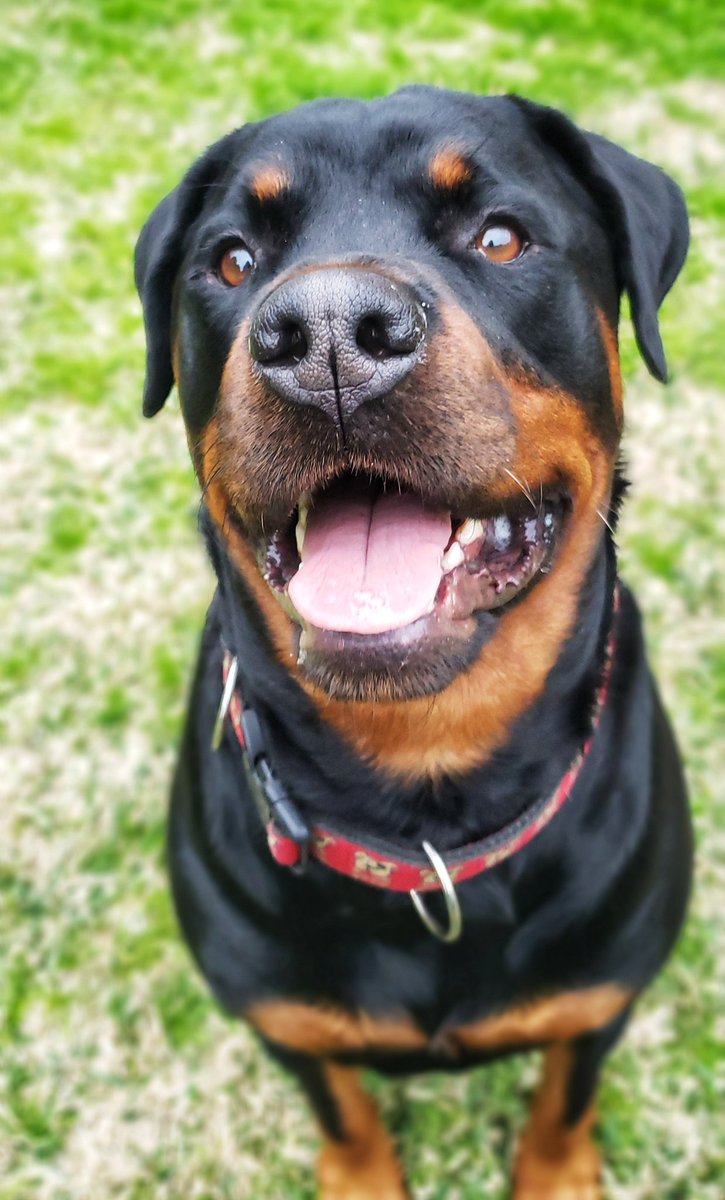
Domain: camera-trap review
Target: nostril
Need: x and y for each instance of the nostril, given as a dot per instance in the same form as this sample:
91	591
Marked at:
394	334
292	346
379	341
281	345
372	338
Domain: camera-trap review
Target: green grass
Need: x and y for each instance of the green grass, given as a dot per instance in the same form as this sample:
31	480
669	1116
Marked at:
118	1078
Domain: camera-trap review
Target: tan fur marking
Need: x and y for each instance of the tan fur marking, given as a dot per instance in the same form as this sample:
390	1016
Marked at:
449	169
556	1162
364	1166
611	346
269	182
176	360
554	1018
323	1031
204	451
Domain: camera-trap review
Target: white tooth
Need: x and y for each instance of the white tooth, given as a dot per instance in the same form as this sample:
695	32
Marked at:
501	532
470	531
453	557
304	505
302	510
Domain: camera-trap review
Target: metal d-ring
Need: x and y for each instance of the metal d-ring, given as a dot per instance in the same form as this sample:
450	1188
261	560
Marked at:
229	685
455	920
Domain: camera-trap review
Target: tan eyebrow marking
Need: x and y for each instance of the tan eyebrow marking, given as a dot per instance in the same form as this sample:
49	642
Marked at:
449	168
269	182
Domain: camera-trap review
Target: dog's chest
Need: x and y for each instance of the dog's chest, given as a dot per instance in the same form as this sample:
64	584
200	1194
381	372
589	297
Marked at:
323	1030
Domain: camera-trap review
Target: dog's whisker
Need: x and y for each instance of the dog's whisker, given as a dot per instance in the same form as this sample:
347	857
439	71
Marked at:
605	521
526	490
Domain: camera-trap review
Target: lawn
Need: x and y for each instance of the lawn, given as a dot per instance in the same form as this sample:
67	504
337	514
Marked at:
118	1077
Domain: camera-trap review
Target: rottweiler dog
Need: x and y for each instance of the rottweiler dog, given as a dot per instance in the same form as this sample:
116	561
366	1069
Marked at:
428	809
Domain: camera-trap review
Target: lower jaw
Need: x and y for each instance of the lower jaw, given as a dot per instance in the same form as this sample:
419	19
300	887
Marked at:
406	664
418	660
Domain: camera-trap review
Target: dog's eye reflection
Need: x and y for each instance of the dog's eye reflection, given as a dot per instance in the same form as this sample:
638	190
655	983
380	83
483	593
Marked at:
500	243
236	264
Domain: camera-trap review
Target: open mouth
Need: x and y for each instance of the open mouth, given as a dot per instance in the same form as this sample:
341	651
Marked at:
366	561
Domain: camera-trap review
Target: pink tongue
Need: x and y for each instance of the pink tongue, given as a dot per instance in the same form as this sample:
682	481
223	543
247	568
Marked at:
369	565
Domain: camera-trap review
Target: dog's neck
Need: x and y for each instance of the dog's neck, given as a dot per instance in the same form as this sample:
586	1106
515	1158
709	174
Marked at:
329	780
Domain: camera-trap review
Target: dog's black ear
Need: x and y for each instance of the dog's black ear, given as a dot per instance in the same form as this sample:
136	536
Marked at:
644	210
159	253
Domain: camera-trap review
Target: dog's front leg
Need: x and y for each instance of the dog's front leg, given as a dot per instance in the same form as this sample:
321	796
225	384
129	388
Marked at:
357	1160
557	1158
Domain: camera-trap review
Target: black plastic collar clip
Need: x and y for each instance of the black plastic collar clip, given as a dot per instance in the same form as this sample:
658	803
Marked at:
270	795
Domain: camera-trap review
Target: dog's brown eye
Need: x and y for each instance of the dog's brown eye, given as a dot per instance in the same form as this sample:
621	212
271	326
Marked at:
500	243
236	264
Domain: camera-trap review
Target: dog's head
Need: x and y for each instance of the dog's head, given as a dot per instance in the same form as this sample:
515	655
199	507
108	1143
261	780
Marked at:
393	330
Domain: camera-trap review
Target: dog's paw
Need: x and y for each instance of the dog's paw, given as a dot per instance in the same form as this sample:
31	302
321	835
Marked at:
575	1176
567	1190
344	1174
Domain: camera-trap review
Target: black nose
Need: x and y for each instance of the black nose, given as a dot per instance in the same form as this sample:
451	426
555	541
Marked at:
337	337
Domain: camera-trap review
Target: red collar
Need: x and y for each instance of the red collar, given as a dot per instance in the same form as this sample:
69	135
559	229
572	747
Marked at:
376	863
